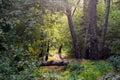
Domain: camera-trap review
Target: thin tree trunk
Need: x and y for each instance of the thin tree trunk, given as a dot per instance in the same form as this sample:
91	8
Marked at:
104	28
85	10
93	27
41	54
73	34
47	54
59	52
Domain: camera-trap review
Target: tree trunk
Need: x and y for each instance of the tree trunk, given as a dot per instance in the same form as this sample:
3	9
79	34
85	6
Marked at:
41	54
93	27
85	10
73	34
59	52
47	54
104	28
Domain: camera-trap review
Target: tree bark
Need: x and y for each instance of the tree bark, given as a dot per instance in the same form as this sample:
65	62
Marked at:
47	54
41	54
59	52
105	25
73	34
93	27
52	63
86	25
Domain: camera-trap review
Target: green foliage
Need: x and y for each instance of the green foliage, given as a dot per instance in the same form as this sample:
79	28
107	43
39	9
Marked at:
114	46
75	70
113	40
86	70
95	69
112	37
115	60
75	67
23	22
21	26
45	75
51	76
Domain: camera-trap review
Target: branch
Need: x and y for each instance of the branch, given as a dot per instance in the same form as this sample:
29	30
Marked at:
75	7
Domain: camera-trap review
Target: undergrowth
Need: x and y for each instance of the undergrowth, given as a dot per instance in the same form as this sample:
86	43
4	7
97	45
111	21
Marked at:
84	70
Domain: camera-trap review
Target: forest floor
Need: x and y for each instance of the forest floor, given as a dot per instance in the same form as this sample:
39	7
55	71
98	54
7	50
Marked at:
76	70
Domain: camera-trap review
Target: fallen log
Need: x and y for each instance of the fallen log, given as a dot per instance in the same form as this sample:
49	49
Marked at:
52	63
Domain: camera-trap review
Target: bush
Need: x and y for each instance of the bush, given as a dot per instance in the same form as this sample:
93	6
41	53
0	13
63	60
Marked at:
74	71
110	76
113	46
76	67
115	60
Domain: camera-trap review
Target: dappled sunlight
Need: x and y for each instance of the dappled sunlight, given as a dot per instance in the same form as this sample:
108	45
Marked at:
59	39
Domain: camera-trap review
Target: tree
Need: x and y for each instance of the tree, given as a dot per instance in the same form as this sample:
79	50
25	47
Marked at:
86	25
59	51
93	29
73	34
105	25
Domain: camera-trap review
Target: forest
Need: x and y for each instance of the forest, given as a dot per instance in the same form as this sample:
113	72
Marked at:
59	39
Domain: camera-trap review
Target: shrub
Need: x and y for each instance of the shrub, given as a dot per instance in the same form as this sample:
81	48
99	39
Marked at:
115	60
110	76
76	67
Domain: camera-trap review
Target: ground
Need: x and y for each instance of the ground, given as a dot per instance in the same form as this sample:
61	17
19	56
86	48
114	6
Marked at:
76	70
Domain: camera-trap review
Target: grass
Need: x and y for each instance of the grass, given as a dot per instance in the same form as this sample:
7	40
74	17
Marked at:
77	70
